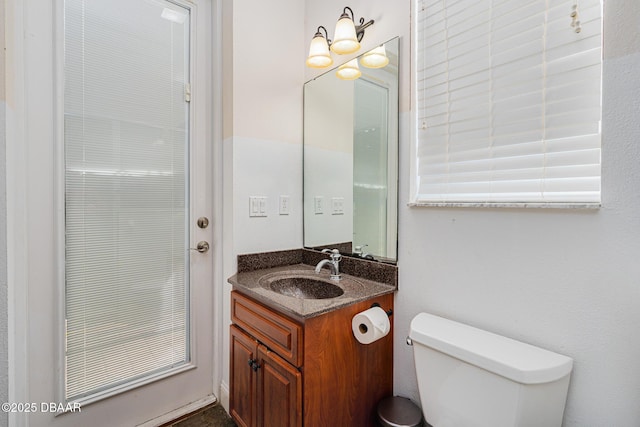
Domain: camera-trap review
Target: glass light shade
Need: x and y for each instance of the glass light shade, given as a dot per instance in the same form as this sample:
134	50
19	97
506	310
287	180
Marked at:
319	55
349	71
375	58
344	39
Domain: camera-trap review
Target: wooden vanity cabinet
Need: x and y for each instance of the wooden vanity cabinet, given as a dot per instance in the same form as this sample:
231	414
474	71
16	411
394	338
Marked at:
266	390
314	373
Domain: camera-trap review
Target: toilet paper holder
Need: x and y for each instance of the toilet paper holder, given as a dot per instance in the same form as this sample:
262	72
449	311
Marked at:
389	312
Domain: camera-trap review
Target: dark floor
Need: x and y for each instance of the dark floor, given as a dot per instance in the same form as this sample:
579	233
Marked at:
211	416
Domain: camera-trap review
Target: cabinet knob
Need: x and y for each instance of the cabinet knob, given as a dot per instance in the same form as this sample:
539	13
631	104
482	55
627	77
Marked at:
254	365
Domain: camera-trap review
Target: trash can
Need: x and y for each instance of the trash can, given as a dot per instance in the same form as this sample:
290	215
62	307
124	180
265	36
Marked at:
396	411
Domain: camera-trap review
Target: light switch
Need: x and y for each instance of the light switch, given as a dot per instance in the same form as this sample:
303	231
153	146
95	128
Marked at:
318	205
257	206
337	206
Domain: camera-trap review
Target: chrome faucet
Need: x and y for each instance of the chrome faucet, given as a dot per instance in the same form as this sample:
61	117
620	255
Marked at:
333	262
359	250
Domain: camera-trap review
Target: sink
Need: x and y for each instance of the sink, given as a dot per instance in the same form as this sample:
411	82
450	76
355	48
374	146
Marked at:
305	288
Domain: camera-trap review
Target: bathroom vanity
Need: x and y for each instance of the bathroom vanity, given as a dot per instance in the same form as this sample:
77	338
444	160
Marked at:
294	358
295	361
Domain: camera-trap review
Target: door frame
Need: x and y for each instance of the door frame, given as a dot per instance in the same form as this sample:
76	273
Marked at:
25	104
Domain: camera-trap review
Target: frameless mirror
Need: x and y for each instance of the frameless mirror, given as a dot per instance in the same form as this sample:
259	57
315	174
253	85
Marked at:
351	158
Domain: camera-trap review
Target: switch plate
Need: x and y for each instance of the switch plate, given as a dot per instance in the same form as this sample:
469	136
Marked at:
337	206
257	206
284	205
318	205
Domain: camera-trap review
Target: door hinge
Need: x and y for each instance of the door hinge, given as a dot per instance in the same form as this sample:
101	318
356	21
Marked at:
187	92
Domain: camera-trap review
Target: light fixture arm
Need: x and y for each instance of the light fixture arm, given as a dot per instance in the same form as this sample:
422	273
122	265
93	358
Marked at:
359	28
326	35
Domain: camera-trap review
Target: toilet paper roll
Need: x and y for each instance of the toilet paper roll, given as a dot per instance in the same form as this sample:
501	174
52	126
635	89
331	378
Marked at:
370	325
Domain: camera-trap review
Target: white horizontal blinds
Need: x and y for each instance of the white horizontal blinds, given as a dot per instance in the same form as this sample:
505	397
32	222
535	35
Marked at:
573	103
508	101
126	175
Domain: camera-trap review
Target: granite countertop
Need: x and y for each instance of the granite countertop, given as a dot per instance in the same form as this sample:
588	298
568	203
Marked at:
256	283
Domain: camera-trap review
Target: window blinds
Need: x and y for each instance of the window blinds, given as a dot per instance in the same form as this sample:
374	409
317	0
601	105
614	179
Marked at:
508	102
126	176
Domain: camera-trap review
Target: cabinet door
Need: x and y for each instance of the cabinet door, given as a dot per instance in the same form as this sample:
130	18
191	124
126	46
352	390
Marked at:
279	391
242	393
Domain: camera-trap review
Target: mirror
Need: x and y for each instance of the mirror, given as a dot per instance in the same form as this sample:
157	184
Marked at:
351	160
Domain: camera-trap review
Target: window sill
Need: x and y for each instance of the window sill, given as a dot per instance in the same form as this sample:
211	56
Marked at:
556	205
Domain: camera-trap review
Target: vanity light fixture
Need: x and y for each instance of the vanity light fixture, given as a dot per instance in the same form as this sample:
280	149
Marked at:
346	39
319	55
375	58
349	71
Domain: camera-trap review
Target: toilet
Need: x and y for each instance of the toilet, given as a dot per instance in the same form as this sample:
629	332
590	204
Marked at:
474	378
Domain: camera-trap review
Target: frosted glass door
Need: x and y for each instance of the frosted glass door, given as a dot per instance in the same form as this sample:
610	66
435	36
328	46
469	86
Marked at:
126	144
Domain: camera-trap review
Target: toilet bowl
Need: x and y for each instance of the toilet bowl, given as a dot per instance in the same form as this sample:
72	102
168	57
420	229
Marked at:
468	377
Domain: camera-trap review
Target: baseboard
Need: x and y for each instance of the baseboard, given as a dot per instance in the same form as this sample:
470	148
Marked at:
224	396
184	410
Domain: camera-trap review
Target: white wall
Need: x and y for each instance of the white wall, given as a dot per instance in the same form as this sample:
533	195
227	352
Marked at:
567	280
266	132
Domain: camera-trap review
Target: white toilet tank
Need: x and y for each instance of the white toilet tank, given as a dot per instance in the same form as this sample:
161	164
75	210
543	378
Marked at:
468	377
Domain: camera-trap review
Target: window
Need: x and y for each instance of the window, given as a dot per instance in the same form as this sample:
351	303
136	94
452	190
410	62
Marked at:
507	102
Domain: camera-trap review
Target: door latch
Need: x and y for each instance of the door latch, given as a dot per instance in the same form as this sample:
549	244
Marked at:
202	247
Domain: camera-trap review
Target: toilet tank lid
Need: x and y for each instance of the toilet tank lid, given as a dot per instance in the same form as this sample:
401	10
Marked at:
518	361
